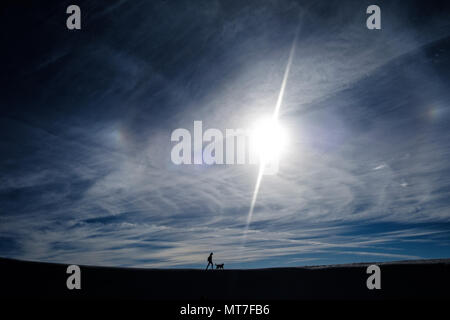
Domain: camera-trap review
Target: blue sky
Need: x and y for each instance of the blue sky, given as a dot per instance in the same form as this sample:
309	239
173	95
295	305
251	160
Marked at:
86	118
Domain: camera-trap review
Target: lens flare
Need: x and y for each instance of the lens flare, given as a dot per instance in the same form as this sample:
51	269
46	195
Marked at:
268	140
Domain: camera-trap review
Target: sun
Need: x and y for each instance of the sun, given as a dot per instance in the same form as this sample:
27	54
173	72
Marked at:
268	140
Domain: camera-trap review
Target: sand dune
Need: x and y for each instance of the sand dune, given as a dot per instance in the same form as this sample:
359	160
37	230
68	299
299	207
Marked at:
399	280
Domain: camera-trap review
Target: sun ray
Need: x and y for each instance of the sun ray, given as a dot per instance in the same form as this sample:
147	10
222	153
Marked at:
274	118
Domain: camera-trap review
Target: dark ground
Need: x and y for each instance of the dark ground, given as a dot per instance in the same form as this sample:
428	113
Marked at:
427	279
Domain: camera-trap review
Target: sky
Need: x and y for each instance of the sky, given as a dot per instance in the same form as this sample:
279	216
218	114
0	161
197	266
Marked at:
86	118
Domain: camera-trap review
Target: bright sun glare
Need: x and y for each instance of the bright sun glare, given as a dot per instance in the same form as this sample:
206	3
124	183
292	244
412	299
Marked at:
268	139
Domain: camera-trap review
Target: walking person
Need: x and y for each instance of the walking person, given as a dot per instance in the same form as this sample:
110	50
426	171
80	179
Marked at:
210	262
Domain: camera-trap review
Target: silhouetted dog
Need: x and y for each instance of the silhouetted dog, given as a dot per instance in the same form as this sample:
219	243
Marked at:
219	266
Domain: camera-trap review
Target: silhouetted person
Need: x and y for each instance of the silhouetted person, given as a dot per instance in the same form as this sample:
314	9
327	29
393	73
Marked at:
210	261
